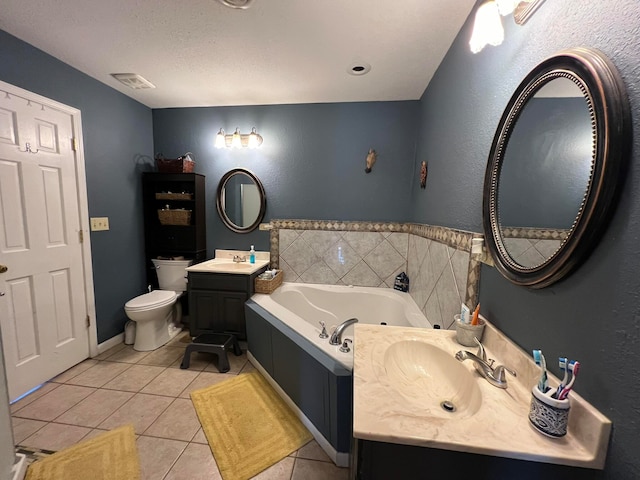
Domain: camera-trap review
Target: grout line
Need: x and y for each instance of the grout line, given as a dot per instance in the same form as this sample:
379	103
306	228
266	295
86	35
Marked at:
176	460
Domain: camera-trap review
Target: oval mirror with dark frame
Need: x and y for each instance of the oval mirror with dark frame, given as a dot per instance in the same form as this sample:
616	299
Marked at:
554	167
240	200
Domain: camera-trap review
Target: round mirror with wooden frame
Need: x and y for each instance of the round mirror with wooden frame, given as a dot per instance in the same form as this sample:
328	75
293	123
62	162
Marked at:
553	172
240	200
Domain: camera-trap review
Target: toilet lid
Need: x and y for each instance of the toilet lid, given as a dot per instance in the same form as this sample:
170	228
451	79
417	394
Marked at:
157	298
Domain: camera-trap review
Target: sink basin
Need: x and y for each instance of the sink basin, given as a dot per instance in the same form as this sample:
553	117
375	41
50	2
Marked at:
431	379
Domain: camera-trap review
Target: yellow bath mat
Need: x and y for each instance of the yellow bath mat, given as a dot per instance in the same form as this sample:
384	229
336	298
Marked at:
248	425
110	456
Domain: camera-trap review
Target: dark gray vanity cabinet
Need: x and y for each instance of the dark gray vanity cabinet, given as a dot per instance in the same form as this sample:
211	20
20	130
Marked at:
382	461
216	302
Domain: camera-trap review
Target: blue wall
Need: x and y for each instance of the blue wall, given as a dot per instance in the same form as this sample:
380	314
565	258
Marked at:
312	166
593	315
117	135
311	162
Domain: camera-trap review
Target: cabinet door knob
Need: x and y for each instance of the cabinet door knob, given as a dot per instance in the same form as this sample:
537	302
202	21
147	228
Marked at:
3	268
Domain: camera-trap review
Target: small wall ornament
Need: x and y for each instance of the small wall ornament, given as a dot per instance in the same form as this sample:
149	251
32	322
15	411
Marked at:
371	159
423	174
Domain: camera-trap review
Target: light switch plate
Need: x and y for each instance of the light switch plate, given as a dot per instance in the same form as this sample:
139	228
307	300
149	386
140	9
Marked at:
99	224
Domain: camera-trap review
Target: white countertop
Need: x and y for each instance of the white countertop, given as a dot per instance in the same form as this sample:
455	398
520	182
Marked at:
223	263
500	427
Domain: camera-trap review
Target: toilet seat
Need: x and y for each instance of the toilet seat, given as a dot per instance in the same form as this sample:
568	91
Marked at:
151	300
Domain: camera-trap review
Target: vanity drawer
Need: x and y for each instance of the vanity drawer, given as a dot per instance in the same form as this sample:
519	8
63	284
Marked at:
220	281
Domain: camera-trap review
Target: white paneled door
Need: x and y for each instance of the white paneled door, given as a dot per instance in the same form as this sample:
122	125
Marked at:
44	309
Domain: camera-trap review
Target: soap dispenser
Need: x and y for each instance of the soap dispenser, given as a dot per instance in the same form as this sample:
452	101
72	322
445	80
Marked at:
252	255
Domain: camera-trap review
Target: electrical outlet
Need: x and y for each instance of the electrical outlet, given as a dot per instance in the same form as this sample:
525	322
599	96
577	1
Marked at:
99	224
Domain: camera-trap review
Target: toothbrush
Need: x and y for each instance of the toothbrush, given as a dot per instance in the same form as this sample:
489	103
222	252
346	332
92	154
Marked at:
563	364
541	362
574	366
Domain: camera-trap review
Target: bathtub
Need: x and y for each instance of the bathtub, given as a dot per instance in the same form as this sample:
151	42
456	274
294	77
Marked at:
313	377
303	306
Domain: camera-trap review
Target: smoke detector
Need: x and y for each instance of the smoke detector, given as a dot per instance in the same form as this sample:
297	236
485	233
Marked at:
133	80
241	4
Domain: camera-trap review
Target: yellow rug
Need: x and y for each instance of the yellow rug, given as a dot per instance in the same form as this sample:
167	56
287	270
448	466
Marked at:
248	425
110	456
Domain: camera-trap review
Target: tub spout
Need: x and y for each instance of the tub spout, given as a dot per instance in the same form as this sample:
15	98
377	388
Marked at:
336	336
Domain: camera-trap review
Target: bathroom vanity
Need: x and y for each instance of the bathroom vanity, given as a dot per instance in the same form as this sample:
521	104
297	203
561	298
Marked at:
404	380
218	290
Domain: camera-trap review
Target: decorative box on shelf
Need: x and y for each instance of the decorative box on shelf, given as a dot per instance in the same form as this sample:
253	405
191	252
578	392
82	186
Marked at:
183	164
268	285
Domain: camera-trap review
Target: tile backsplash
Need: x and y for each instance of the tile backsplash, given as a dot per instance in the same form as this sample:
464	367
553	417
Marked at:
436	259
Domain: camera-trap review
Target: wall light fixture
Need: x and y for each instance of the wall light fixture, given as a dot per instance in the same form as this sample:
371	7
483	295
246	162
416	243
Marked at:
238	140
487	28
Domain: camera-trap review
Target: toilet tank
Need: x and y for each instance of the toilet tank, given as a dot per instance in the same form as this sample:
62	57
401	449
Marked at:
172	274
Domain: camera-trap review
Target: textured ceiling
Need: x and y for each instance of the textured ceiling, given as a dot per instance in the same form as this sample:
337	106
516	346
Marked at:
200	53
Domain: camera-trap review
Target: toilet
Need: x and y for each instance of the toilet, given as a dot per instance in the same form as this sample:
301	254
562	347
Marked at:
158	314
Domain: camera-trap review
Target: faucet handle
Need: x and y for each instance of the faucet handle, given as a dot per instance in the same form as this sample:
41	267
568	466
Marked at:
323	333
345	346
498	373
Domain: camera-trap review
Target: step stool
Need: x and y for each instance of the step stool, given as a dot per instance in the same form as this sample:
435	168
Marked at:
216	343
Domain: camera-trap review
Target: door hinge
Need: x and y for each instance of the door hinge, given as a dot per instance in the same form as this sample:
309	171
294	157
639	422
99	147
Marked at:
88	321
81	235
74	144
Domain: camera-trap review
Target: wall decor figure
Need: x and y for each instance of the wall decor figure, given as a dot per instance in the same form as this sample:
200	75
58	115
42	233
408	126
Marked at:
423	174
371	159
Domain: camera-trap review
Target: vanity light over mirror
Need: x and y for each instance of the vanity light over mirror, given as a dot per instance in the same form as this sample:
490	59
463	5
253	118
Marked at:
554	167
240	200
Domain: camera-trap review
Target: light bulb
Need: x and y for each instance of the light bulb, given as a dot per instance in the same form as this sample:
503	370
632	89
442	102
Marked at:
220	142
253	138
505	7
236	140
487	28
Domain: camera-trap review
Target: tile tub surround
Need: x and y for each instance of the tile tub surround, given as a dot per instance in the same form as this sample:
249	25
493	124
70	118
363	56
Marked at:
437	260
499	428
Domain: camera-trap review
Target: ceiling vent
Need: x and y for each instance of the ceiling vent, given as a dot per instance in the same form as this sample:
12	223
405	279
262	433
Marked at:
133	80
242	4
360	68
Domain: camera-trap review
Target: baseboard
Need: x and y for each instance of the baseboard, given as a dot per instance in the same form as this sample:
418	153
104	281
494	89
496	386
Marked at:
19	468
112	342
340	459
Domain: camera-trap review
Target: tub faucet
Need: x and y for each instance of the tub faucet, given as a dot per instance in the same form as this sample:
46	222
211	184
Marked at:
336	336
495	376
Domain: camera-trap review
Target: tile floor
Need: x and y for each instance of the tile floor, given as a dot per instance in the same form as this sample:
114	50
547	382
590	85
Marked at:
150	391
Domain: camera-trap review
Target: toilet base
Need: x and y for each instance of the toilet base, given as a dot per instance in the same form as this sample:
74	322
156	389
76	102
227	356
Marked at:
148	343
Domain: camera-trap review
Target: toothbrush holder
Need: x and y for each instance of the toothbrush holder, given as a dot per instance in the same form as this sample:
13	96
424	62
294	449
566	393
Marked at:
465	332
549	415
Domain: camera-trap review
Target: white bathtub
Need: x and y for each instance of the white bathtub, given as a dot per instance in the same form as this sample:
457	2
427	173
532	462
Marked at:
303	306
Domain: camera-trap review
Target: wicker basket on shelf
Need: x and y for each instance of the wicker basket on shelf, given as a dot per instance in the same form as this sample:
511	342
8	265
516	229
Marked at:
263	285
174	217
174	196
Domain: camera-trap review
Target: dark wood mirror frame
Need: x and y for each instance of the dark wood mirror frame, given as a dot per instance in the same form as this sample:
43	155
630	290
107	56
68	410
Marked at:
220	201
605	94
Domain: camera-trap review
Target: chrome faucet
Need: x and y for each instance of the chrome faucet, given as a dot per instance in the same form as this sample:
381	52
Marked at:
238	258
336	336
495	376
